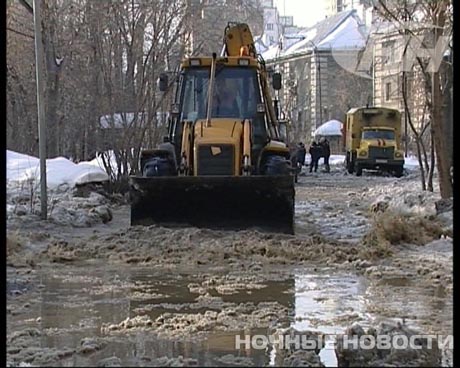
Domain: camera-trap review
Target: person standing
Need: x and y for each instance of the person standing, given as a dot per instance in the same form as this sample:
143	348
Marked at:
315	154
326	153
301	153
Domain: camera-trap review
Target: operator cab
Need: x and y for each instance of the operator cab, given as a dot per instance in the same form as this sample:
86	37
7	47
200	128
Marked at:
237	95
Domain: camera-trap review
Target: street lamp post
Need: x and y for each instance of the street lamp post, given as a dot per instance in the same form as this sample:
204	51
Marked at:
318	61
318	67
41	109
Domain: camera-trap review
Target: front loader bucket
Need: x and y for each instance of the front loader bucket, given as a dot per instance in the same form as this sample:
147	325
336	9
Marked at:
217	202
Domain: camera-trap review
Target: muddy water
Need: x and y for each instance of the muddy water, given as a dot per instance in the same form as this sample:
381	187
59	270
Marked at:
74	303
68	303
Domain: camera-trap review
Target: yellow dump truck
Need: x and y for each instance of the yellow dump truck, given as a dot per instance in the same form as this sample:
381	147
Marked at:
373	140
224	162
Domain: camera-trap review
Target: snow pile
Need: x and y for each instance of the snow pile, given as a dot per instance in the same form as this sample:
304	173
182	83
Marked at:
110	159
411	163
22	169
407	199
64	205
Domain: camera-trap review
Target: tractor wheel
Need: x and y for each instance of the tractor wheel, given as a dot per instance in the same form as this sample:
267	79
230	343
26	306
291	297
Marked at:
398	172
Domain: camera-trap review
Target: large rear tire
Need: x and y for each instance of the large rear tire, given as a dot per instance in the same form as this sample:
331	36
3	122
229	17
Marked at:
276	165
350	164
398	172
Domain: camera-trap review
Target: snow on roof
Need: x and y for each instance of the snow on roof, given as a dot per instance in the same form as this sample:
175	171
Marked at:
21	168
303	44
342	31
347	35
271	53
332	127
261	43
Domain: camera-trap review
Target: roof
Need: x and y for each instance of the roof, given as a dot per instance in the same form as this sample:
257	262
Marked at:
126	120
344	30
381	108
331	127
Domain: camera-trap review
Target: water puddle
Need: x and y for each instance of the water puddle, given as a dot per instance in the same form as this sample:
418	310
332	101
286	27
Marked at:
75	304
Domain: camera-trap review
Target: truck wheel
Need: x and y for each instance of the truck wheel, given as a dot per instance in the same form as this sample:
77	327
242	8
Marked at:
398	172
359	171
351	167
350	164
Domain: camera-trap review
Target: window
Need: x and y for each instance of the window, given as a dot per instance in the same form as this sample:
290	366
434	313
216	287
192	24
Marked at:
339	6
269	26
388	51
387	91
245	90
378	134
272	39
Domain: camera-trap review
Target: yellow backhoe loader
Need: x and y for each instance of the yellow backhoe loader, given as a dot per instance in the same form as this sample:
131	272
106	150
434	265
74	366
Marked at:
224	163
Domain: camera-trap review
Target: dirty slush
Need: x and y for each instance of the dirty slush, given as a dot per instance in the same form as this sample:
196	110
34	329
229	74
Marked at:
372	256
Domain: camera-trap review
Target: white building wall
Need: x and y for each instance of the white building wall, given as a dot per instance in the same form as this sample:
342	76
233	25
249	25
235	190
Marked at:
272	26
267	3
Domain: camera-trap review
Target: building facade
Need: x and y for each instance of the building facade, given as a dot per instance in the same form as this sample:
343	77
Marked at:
316	86
363	8
401	84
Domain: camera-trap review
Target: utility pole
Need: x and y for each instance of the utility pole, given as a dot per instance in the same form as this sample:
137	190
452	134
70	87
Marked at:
41	108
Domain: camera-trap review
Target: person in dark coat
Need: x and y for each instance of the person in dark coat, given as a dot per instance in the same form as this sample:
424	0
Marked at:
326	152
315	153
301	153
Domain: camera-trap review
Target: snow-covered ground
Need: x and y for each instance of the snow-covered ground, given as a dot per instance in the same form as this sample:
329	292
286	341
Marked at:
23	170
335	160
410	162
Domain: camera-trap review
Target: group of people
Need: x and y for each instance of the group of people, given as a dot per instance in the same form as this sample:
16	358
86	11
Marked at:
316	151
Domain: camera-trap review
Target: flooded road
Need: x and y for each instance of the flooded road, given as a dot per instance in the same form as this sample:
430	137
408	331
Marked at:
118	296
74	304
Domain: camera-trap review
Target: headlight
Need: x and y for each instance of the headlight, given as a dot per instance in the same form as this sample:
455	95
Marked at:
363	153
398	154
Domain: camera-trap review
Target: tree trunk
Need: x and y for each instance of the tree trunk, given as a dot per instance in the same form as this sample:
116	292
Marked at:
440	146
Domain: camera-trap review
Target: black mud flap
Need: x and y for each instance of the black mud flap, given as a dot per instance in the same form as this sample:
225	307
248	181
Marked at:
216	202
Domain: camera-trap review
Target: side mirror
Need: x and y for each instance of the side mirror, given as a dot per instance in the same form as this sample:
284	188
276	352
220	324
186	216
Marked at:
163	82
276	81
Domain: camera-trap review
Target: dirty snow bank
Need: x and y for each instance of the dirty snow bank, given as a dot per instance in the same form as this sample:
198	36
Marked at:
64	208
189	247
423	354
66	205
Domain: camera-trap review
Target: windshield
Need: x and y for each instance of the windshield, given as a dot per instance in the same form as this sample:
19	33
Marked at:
378	134
236	93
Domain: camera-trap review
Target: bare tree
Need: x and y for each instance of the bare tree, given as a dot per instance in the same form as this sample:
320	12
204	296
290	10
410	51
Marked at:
438	15
103	60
